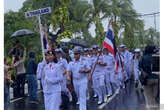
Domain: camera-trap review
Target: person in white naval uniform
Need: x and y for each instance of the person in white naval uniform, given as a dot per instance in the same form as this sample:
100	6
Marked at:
52	83
127	60
94	56
136	70
121	71
79	69
63	64
98	76
87	57
109	70
40	74
116	75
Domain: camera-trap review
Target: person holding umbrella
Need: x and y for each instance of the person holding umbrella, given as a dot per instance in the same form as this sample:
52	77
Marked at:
19	75
16	50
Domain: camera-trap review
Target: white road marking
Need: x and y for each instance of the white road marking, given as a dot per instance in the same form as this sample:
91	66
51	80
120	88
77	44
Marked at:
14	100
104	104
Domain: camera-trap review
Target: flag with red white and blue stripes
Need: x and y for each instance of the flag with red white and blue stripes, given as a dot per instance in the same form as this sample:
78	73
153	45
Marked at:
110	44
45	41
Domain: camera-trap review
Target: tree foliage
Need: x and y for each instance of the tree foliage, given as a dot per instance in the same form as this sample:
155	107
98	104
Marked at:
14	21
75	17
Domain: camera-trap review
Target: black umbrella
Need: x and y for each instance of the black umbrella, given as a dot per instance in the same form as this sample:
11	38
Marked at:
22	33
78	42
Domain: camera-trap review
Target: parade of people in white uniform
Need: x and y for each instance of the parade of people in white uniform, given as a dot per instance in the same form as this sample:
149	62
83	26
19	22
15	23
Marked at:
91	69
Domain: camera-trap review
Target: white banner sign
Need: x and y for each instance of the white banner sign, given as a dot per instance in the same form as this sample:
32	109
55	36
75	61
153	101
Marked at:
38	12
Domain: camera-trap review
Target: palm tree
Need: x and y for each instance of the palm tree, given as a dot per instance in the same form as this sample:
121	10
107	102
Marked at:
153	36
125	18
93	15
121	13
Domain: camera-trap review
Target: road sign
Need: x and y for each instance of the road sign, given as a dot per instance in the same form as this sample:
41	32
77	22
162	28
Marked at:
38	12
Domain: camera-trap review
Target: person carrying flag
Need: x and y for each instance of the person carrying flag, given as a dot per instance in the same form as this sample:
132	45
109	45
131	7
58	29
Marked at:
87	57
93	59
98	75
109	43
108	70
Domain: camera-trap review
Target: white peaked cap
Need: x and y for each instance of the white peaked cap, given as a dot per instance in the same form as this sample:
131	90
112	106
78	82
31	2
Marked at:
122	45
137	50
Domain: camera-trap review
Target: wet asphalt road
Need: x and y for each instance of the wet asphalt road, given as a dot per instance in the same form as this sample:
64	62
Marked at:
127	99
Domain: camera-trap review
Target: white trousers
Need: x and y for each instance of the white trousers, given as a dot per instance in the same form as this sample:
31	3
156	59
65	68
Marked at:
115	80
52	101
137	73
128	69
81	92
108	82
99	86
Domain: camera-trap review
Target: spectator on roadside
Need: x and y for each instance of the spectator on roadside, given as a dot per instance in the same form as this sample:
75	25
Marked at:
7	82
19	75
150	80
32	78
16	51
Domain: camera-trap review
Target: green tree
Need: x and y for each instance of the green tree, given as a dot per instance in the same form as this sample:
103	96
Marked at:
152	36
14	21
93	16
76	16
125	18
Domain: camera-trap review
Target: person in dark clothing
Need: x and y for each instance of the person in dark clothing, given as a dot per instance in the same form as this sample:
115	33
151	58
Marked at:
145	64
16	51
19	72
149	80
31	78
66	54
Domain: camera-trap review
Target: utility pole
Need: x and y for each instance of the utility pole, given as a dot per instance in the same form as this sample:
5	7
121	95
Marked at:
155	21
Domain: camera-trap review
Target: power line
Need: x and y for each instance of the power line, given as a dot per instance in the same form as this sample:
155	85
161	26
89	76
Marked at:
143	15
151	14
155	13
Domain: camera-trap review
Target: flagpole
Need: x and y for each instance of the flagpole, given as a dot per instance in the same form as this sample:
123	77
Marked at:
41	37
95	65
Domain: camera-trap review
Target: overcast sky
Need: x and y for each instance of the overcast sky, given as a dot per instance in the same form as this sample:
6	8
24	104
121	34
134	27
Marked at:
148	6
141	6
